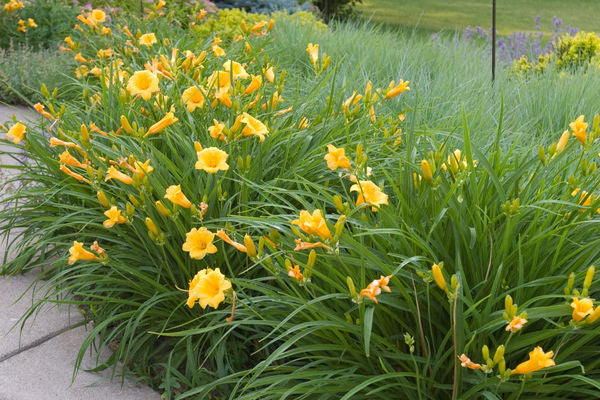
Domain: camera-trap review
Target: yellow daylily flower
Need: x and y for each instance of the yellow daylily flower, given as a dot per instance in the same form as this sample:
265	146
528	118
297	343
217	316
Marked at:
516	324
114	173
313	224
224	237
582	308
579	129
216	131
17	132
269	74
72	174
313	51
394	91
236	69
40	108
147	39
467	363
199	243
66	158
208	287
369	193
254	85
143	83
143	168
98	16
114	217
336	158
537	360
79	253
374	288
254	127
167	120
176	196
212	160
193	98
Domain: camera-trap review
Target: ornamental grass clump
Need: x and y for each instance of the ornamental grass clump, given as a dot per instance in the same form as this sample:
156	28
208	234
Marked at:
336	249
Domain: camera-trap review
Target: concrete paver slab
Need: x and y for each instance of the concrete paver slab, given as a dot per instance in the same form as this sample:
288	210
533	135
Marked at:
51	321
45	372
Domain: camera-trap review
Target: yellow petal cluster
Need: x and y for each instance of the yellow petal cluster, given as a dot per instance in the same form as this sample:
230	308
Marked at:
199	243
313	224
212	160
208	288
369	193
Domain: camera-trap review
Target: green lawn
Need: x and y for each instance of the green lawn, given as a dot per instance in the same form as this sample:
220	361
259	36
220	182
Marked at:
436	15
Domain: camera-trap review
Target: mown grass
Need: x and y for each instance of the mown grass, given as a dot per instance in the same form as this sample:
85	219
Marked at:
431	16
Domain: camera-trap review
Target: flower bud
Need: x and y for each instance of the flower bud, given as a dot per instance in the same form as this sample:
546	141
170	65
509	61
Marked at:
485	352
508	306
151	227
130	209
337	201
427	171
339	225
102	199
570	282
312	257
162	209
351	286
589	276
250	248
44	91
499	354
542	154
436	270
134	201
85	134
125	124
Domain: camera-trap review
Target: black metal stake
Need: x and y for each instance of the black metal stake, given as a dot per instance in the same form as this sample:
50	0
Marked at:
493	40
142	9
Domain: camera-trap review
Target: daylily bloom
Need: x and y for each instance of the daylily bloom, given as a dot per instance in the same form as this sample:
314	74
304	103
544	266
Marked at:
579	129
114	173
143	83
80	58
300	245
537	360
143	168
582	308
218	50
254	127
40	108
336	158
295	273
31	23
208	288
79	253
313	51
57	142
72	174
17	132
175	194
593	316
516	324
193	98
369	193
216	131
237	70
269	74
562	142
160	4
467	363
199	243
374	288
224	237
212	160
223	95
254	84
66	158
167	120
219	79
105	53
201	14
114	217
352	100
98	15
258	26
147	39
394	91
313	224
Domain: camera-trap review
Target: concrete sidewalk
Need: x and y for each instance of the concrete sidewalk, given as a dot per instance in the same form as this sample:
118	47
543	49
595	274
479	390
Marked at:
37	358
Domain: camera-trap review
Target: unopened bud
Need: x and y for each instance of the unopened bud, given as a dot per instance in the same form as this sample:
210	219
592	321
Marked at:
162	209
339	225
130	209
85	134
351	286
250	248
438	277
151	227
485	352
102	199
589	277
499	354
312	257
125	124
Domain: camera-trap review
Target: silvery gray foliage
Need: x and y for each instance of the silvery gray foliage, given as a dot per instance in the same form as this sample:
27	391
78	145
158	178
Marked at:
265	6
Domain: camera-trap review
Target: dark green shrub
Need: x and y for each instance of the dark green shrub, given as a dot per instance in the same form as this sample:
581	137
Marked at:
54	19
341	8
